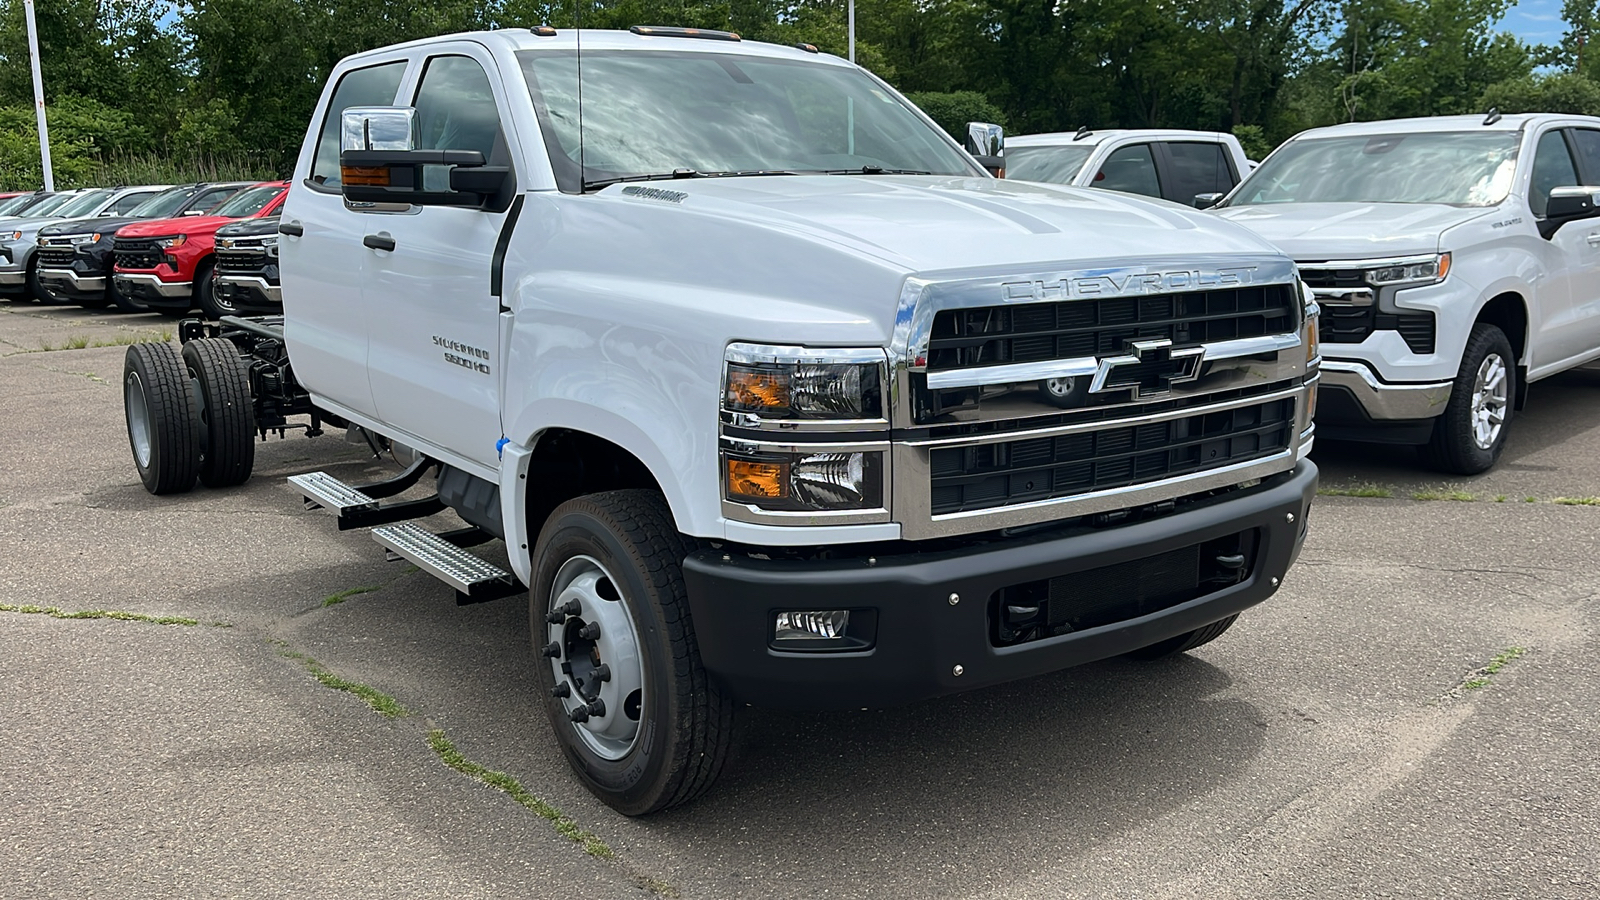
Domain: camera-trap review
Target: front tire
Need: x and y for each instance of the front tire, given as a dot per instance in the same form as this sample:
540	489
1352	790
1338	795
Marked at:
1471	434
210	303
227	411
608	591
163	429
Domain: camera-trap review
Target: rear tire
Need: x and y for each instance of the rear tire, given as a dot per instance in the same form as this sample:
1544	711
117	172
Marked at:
1471	434
618	556
1185	642
227	411
163	429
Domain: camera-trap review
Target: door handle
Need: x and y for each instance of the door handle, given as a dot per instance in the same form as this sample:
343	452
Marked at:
379	241
292	229
1593	239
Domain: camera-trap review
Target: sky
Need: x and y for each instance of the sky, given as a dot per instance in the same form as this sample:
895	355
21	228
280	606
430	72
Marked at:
1535	21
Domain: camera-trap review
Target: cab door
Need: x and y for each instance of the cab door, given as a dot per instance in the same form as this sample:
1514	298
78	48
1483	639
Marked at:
435	356
321	255
1564	320
1586	292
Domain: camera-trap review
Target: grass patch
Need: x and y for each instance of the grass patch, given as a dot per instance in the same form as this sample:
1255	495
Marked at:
564	824
1577	501
342	596
1360	490
1478	678
1499	498
55	612
381	703
81	341
1530	499
1458	496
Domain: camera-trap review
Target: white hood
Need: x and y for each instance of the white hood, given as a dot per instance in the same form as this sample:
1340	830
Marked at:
1312	232
923	224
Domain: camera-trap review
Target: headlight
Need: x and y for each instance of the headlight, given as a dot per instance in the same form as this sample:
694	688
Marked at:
801	482
1421	271
78	240
271	246
799	383
14	236
167	243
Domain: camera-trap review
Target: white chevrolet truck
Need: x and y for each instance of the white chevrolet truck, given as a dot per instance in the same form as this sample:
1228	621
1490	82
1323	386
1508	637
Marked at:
1456	261
774	396
1175	165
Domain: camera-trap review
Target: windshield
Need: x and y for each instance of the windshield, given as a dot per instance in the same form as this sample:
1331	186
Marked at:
248	202
165	204
1056	165
83	204
1457	168
49	205
14	205
652	113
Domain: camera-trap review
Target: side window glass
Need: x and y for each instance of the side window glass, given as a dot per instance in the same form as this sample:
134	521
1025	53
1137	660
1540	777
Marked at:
1197	168
1588	141
372	86
1130	169
455	107
208	199
128	202
1552	168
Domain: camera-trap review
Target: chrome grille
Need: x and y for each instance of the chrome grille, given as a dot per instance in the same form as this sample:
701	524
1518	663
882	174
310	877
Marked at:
1032	332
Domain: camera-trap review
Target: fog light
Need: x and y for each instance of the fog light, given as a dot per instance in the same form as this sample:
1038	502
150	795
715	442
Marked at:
813	625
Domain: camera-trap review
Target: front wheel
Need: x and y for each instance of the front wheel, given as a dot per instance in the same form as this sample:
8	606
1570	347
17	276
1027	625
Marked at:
1471	434
213	304
628	700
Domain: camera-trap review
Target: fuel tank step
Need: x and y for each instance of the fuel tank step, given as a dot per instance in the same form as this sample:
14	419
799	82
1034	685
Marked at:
323	491
474	580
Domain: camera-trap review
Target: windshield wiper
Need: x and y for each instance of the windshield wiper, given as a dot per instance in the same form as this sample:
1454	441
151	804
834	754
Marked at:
872	170
675	174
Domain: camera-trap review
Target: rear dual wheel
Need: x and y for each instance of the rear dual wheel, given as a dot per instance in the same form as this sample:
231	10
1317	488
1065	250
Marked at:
189	415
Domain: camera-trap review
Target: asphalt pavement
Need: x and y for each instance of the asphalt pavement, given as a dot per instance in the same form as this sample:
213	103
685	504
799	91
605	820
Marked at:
1413	715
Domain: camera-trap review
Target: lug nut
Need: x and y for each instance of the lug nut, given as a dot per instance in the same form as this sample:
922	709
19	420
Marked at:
572	607
596	708
552	650
561	691
602	672
555	617
581	714
590	632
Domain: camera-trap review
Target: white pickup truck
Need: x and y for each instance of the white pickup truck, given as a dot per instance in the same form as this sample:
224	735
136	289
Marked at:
772	393
1456	260
1181	166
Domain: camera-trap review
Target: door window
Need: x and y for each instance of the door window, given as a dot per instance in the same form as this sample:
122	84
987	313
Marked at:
1131	169
128	201
1588	141
1196	168
372	86
1552	168
455	107
210	197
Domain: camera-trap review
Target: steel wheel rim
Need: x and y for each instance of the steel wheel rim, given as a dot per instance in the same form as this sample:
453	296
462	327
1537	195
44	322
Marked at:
1490	393
138	419
582	579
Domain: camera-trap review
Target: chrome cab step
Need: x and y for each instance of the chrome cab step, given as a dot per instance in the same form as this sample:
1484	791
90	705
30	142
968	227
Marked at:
473	579
323	491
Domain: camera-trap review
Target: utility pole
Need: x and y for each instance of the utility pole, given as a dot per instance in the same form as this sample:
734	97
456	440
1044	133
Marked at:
852	29
38	98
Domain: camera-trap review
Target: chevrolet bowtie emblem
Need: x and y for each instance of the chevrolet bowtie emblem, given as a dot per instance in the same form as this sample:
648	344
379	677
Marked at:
1149	369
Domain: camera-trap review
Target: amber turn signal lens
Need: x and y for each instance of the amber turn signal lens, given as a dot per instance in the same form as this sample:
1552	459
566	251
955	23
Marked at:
757	389
375	176
765	480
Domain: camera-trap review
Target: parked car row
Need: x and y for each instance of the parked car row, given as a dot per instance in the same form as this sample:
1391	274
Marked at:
151	247
1447	255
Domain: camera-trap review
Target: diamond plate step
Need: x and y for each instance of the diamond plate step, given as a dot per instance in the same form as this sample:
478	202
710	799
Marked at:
323	491
443	560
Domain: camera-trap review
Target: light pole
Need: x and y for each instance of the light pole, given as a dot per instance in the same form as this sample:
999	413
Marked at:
38	98
852	30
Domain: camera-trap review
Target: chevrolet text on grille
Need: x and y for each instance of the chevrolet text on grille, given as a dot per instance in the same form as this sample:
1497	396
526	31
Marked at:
1113	285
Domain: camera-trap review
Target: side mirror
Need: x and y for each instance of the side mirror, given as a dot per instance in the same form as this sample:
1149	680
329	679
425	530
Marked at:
987	144
1206	201
194	212
378	165
1569	204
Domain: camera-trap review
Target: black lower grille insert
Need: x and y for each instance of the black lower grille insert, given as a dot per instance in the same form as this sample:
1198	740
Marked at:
1009	472
1115	593
1342	323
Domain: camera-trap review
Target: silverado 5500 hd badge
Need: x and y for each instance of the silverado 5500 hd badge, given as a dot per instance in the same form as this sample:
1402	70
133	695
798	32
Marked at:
463	355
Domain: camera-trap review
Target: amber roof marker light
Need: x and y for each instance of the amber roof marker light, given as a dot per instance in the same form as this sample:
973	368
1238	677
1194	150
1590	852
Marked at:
699	33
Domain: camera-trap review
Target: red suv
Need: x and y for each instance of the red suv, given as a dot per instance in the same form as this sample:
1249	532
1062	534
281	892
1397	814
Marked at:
166	264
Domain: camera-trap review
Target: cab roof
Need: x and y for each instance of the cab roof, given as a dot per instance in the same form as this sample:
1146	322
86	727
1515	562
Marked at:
1066	138
518	39
1512	122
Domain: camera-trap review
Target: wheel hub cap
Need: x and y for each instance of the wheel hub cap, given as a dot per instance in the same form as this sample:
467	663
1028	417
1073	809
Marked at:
1490	393
600	664
138	419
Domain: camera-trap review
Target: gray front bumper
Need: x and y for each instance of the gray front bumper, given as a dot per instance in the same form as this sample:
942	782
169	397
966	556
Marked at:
81	283
13	279
153	283
1383	401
